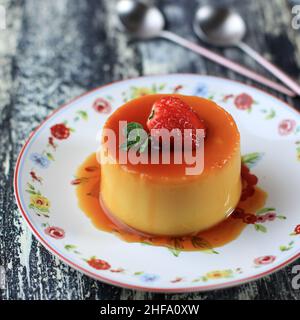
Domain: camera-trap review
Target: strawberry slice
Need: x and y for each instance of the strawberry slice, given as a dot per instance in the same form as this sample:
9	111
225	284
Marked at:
172	113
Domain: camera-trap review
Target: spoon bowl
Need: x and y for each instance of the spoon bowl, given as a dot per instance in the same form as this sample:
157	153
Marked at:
219	26
139	19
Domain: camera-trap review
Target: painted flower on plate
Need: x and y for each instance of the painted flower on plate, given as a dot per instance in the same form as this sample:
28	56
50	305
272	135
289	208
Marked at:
39	202
102	105
60	131
55	232
264	260
296	230
217	274
40	160
286	127
98	264
148	277
243	101
201	90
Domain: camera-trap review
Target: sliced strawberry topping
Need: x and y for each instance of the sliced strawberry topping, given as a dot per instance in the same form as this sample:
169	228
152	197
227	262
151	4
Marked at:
172	113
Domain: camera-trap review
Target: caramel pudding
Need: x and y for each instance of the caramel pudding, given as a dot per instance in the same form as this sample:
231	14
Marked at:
87	182
160	199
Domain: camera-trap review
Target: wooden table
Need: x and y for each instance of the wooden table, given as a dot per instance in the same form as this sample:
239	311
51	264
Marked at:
54	50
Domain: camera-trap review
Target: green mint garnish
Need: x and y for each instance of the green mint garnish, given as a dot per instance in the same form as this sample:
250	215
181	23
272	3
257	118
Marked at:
131	126
137	139
127	145
144	145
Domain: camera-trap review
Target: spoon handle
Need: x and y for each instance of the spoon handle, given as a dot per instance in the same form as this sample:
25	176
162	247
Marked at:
271	67
225	62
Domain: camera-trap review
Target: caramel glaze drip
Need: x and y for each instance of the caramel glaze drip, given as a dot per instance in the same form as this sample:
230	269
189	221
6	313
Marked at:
252	199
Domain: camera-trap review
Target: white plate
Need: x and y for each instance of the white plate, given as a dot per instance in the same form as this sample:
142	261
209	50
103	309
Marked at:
270	131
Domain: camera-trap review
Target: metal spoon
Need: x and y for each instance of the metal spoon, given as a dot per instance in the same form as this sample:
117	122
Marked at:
141	21
224	27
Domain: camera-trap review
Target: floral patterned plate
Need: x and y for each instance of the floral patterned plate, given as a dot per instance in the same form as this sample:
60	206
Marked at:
270	137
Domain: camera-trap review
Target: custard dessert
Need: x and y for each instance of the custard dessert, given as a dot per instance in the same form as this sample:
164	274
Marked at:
159	198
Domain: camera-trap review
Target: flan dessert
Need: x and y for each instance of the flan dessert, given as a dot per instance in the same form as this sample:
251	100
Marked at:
160	198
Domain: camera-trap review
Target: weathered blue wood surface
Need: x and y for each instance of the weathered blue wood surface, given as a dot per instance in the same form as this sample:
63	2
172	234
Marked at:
54	50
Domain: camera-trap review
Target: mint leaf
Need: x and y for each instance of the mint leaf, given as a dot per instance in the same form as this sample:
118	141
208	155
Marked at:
131	126
136	137
127	145
144	145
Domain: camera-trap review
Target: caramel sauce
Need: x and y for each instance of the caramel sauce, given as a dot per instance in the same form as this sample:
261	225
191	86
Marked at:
88	190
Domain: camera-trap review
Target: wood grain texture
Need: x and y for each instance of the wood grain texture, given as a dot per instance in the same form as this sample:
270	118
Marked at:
54	50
